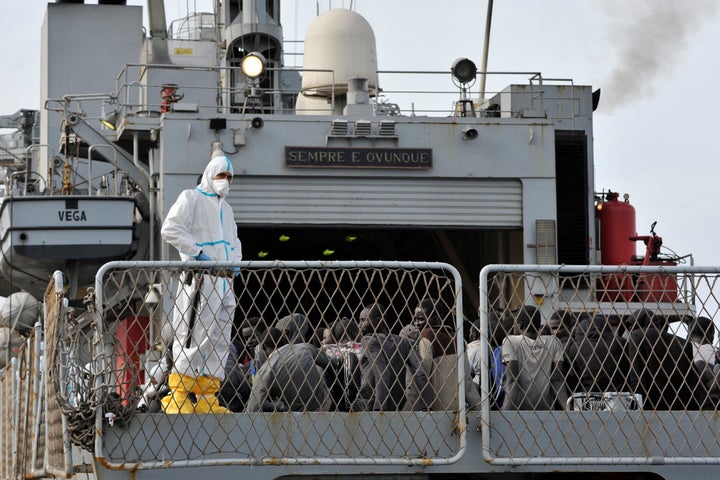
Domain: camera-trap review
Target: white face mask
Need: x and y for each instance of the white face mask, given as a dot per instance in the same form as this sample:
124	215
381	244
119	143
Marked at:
221	187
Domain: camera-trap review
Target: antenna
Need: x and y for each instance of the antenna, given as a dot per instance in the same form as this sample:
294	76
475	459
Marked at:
486	47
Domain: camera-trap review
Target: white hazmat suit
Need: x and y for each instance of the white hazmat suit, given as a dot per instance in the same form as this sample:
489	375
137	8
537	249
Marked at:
201	225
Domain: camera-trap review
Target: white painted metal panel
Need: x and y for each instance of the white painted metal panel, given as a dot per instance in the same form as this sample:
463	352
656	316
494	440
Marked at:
76	213
464	202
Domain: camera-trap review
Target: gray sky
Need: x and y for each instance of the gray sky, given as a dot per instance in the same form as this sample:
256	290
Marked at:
655	61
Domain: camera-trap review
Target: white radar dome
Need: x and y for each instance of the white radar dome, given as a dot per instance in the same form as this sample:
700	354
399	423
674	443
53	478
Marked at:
342	43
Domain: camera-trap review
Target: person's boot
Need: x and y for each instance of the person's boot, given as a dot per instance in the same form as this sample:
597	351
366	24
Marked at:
177	401
206	389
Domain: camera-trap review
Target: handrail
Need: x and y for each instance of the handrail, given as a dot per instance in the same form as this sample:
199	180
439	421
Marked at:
166	270
134	75
115	167
626	423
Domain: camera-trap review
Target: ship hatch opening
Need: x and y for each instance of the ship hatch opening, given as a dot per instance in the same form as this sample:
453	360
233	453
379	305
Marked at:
468	250
572	193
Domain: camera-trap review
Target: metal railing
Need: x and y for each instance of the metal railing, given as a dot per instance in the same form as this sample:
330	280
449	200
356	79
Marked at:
415	92
89	386
117	367
628	384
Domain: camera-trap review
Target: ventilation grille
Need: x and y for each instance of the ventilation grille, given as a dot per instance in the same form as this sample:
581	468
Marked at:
339	127
387	128
362	128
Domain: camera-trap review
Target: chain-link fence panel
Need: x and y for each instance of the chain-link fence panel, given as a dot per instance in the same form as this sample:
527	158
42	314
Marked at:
34	440
75	378
8	418
58	431
32	431
295	362
21	409
598	365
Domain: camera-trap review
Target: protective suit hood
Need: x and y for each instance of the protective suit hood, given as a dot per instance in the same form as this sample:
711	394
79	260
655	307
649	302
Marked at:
218	164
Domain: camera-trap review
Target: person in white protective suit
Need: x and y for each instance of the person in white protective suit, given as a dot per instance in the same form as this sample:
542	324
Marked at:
201	226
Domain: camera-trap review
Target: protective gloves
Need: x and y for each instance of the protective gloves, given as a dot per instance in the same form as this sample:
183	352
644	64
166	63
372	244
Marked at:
202	257
234	271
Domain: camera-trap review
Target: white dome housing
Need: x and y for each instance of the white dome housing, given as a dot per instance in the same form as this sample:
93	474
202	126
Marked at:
9	340
20	312
342	41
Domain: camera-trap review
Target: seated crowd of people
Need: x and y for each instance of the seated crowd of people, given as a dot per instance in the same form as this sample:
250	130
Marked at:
537	366
356	366
360	366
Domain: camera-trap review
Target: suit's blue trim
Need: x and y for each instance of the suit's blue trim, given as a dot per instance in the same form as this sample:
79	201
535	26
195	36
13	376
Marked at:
207	194
216	242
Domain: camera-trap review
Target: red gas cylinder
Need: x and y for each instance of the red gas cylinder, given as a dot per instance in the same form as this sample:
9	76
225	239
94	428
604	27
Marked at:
617	225
615	287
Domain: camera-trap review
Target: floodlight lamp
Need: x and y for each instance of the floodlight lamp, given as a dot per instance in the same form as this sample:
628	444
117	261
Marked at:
464	70
253	64
110	120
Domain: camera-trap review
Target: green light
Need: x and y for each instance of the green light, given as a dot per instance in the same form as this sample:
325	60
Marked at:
263	254
350	238
284	238
328	252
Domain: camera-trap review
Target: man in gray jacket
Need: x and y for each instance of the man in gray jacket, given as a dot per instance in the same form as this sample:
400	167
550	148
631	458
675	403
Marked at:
291	379
384	364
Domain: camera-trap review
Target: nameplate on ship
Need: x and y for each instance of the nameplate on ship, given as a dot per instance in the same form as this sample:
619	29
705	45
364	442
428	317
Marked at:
348	157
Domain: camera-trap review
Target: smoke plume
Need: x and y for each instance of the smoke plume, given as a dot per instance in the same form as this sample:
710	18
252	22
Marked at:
650	37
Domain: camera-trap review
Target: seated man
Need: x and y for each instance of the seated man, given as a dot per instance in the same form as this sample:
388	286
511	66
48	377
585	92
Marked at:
247	338
344	351
384	364
439	357
294	326
240	369
597	358
291	379
701	333
661	365
533	366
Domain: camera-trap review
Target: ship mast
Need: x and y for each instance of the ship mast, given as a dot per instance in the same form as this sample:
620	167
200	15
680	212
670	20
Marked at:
486	46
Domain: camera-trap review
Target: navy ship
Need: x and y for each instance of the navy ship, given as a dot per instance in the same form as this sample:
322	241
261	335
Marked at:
352	187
